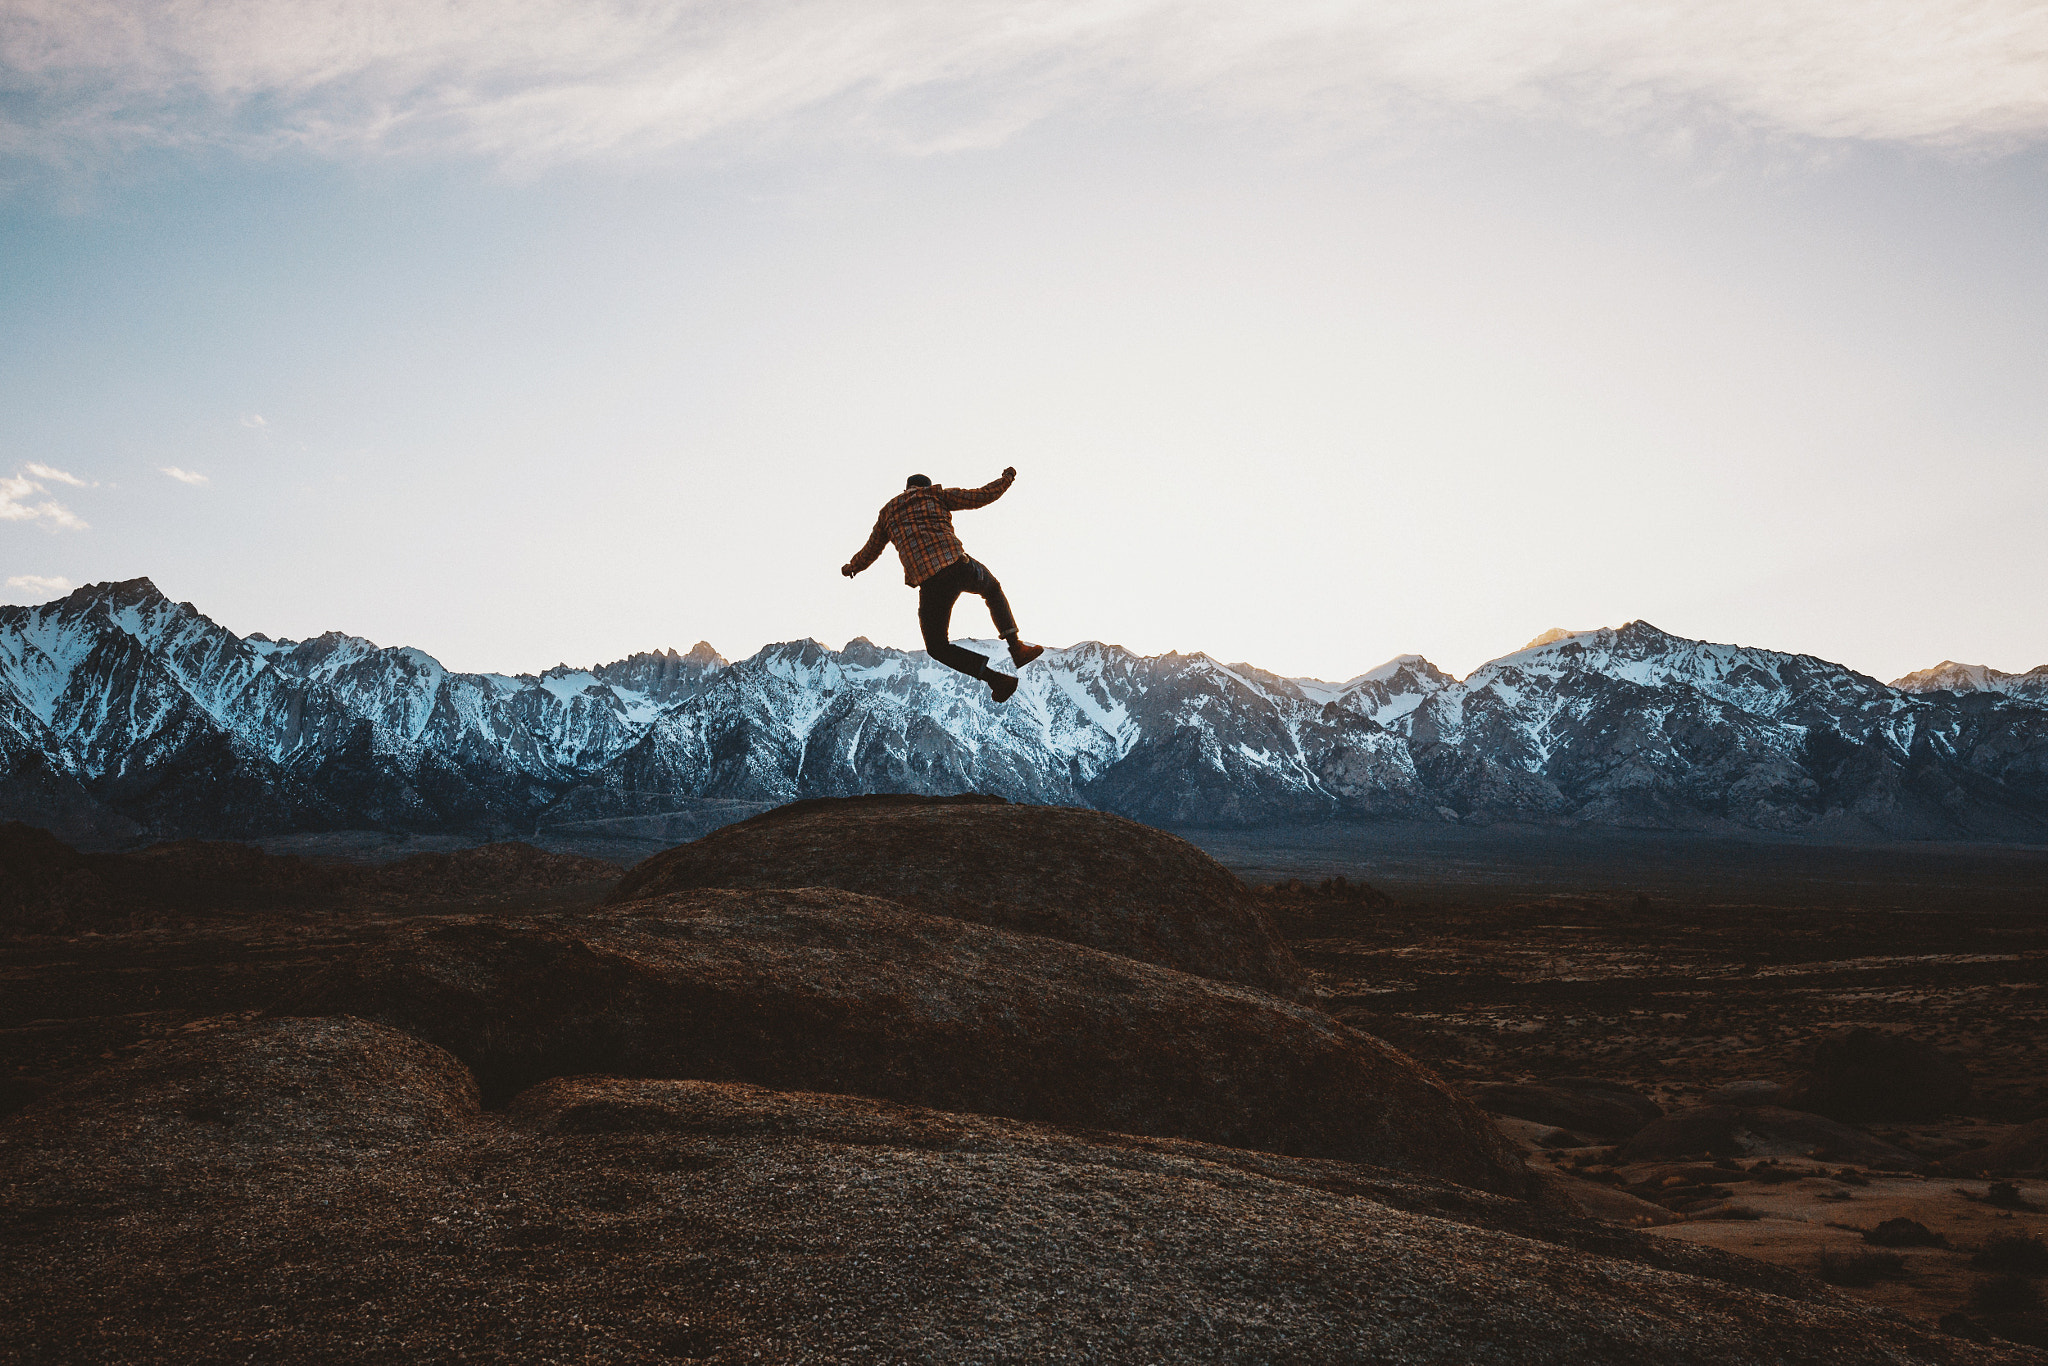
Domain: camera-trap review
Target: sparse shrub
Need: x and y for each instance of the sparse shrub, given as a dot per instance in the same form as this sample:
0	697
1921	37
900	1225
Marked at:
1904	1233
2015	1254
1770	1174
2005	1295
1339	888
1859	1268
2004	1195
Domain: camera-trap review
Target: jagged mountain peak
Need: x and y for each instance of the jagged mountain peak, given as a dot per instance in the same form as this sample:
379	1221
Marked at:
791	659
655	679
138	590
1551	637
1634	637
864	652
1262	676
321	654
179	724
126	601
1414	666
122	600
329	640
1951	676
1633	642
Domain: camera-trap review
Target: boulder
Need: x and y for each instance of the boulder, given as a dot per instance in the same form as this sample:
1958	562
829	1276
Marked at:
1609	1116
1861	1075
825	990
656	1221
1759	1131
1902	1232
1086	877
2022	1152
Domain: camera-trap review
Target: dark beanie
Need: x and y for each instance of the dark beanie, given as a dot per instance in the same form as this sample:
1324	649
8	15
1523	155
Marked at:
917	481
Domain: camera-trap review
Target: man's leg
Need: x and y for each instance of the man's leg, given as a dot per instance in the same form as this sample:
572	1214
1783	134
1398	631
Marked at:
935	599
984	583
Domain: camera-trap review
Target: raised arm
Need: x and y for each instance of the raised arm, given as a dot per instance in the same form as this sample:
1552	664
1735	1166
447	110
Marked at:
865	556
981	497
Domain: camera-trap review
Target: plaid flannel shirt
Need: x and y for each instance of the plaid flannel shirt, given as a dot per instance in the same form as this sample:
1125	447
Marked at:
920	523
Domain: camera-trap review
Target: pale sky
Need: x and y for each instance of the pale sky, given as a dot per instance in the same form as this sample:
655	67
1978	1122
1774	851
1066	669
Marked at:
546	331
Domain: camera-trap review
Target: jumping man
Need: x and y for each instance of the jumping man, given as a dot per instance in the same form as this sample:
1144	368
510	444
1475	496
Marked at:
920	522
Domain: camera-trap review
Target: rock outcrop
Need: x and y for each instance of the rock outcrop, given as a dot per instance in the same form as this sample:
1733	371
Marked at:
1609	1114
2022	1152
1859	1075
234	1093
1083	876
818	989
1760	1131
656	1221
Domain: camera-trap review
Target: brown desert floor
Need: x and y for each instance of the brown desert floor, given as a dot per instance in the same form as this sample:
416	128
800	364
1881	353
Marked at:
1676	964
1679	964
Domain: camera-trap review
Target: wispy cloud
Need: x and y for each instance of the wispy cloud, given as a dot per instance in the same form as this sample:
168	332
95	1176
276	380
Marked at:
551	79
184	476
41	586
48	513
254	420
55	476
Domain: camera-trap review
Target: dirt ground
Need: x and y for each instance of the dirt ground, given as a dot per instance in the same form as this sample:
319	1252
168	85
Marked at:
70	1003
1674	964
1678	965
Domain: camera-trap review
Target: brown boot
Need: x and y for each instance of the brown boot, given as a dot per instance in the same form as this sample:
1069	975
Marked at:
1001	685
1022	654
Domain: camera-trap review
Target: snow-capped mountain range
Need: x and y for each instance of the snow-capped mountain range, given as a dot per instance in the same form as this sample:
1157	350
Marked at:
123	714
1949	676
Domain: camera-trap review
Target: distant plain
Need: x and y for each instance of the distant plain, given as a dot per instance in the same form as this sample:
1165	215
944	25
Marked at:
1429	864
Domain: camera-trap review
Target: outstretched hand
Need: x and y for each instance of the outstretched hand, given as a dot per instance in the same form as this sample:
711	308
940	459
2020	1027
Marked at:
1009	471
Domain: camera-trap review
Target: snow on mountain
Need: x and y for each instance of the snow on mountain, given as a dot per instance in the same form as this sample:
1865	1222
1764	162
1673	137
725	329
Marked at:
1396	688
120	709
657	678
1949	676
1555	633
1635	726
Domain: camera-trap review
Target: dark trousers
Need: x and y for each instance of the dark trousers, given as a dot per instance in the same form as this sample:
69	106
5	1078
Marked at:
935	599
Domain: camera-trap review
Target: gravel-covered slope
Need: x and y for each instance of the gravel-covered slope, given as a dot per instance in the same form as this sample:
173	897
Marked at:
347	1203
1083	876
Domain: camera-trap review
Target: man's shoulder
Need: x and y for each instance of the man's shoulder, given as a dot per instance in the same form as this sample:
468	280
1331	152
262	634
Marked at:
908	498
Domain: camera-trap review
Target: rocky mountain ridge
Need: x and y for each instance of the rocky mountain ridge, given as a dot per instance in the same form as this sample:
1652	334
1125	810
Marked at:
1949	676
125	715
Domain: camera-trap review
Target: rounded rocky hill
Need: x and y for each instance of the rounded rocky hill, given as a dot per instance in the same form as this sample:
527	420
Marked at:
305	1191
819	989
1087	877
